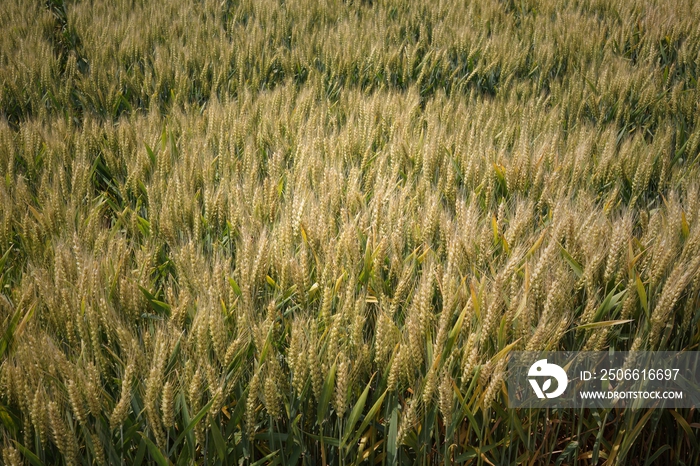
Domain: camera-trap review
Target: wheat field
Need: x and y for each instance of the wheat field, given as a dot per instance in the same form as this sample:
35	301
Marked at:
299	232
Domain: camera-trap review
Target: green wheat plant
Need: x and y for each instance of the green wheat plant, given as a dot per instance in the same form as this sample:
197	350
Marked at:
291	232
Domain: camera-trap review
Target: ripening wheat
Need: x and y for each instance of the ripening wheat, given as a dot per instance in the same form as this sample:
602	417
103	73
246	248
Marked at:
310	232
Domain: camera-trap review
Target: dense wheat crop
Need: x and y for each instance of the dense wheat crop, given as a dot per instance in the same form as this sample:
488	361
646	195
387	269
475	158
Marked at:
311	232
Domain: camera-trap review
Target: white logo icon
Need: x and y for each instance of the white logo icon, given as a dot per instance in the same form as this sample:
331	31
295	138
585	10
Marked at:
542	369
